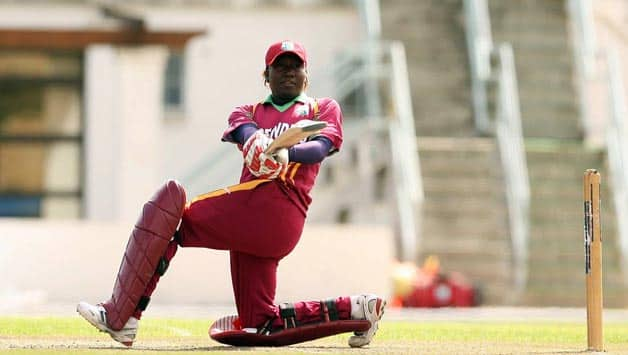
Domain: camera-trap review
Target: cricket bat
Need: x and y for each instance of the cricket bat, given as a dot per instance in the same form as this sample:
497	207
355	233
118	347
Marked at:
293	135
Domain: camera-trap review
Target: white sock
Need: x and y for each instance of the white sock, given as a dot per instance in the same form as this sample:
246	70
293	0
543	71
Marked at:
357	312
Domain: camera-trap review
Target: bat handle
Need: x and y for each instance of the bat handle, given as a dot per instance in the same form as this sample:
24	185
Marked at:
281	155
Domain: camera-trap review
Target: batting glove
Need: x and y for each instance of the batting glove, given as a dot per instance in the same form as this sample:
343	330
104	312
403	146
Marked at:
260	164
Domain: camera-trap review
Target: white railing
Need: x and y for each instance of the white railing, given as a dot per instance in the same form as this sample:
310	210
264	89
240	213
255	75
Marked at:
372	66
480	45
378	70
588	58
512	152
506	125
617	150
408	182
585	61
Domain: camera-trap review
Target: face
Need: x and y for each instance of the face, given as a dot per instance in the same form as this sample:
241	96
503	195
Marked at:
287	77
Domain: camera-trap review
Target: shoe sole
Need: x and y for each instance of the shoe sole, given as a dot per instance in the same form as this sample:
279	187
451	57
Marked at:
381	306
98	326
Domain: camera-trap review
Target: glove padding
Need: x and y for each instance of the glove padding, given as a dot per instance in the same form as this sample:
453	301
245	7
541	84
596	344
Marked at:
260	164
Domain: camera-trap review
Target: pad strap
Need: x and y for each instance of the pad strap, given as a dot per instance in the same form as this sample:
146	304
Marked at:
289	315
329	312
162	266
267	328
143	303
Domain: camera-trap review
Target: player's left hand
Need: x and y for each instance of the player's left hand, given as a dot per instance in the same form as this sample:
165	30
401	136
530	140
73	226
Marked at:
269	167
281	156
262	165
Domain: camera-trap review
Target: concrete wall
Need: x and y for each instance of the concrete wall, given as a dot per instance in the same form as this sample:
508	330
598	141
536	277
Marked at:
123	128
65	262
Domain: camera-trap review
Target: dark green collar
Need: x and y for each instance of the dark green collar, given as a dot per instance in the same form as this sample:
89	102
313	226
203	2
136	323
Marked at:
302	98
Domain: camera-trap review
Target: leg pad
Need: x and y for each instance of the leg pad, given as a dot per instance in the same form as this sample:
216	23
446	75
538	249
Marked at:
144	252
225	331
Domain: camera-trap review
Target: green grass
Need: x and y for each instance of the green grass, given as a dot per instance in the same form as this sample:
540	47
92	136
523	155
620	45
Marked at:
54	335
67	327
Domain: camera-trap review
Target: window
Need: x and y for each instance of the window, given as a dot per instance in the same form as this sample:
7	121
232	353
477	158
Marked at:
173	82
41	134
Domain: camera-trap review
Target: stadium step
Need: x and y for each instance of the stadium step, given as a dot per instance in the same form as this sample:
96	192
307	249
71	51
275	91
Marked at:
556	250
538	32
433	33
464	217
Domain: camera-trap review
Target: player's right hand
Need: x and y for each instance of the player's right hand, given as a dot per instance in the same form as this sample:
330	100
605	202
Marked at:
263	166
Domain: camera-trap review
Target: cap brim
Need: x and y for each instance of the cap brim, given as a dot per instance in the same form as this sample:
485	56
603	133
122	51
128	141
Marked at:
286	52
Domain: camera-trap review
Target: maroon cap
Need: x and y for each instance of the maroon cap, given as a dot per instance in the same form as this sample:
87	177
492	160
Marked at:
279	48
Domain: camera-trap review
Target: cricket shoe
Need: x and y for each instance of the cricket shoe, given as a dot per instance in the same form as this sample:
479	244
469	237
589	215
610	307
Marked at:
371	308
97	316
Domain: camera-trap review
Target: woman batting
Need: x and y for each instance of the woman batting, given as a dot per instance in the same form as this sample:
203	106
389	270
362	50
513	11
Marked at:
243	219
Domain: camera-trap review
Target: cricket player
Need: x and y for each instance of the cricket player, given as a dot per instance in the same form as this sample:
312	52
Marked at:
259	221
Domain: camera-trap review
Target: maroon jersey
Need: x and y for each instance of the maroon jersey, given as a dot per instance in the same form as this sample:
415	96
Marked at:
298	178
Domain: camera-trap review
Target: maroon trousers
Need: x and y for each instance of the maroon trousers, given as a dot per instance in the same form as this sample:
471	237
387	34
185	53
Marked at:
259	225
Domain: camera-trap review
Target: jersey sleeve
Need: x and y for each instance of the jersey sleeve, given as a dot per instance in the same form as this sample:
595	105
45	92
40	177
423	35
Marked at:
241	115
329	111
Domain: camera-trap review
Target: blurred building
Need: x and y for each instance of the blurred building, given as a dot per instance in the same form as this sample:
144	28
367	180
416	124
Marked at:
505	102
100	103
512	101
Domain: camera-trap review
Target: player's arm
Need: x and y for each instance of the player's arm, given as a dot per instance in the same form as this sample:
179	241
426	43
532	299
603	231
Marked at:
331	113
243	132
241	116
311	152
